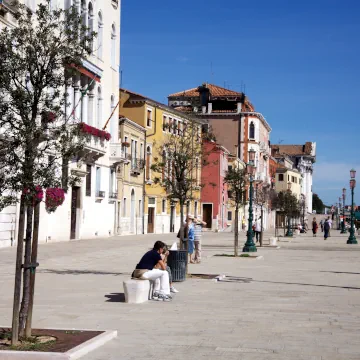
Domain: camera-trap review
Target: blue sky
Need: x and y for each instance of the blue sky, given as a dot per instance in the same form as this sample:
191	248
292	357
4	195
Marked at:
299	62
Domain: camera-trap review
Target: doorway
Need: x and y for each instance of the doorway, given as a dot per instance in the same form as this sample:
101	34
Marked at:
132	212
151	215
207	215
75	205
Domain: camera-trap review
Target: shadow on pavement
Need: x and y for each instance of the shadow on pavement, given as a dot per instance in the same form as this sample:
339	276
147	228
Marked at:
341	272
80	272
115	297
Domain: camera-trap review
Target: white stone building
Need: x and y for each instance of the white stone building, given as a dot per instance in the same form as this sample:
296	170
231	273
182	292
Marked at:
90	208
303	158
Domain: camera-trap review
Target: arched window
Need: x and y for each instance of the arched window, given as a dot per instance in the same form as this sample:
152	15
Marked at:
113	46
99	108
90	19
84	18
148	162
100	36
252	131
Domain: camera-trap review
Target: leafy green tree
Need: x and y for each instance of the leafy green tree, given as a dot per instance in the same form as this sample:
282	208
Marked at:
318	205
38	58
235	179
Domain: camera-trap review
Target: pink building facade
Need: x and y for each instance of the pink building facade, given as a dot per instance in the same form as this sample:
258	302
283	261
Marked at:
214	194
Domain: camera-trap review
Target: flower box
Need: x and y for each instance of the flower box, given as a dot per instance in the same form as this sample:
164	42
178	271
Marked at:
87	129
125	144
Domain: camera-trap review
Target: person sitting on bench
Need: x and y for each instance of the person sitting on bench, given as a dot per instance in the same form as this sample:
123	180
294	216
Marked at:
145	270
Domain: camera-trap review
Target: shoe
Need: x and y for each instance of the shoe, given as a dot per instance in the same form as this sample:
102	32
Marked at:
173	290
164	298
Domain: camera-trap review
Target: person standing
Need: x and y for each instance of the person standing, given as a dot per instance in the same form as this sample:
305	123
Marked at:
322	225
314	227
330	225
191	237
197	239
257	230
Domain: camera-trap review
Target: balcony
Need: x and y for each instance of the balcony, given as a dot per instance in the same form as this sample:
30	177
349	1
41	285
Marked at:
100	195
137	165
118	155
113	195
96	144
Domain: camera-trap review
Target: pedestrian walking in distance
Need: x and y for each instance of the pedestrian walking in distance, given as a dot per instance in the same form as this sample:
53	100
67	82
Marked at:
322	225
326	229
314	227
257	230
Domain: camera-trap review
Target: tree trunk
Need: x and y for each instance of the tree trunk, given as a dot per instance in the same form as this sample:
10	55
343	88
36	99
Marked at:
236	236
262	223
34	252
27	261
182	226
18	268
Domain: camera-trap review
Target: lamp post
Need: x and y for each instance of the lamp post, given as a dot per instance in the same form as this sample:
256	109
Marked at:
339	213
289	232
343	227
352	238
249	245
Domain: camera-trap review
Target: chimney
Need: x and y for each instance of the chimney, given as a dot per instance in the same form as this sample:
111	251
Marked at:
209	108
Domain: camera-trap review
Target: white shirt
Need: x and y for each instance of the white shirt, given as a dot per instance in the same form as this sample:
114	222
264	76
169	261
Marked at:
257	226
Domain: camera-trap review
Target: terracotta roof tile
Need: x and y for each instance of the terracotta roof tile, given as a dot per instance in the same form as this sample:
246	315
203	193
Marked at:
293	149
214	91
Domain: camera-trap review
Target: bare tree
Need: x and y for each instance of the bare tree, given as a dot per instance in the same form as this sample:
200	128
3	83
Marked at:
261	198
236	180
178	163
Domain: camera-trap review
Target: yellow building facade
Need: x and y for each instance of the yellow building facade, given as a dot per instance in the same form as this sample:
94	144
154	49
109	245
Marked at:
288	179
130	177
160	214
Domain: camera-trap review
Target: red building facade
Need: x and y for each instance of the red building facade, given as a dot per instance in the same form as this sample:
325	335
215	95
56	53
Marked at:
214	194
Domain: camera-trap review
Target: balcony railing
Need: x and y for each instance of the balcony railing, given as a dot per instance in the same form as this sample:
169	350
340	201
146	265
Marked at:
137	165
100	194
113	195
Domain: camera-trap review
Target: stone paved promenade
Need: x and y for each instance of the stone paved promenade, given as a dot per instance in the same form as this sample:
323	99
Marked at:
301	301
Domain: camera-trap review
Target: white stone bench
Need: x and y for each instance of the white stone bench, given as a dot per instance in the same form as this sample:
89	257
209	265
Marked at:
137	291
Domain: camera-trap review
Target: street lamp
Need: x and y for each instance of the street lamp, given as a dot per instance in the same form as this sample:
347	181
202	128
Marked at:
289	232
352	238
343	227
251	169
339	213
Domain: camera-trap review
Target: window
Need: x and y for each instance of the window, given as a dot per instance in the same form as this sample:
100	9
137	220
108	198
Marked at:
88	180
164	123
112	184
288	177
293	179
100	36
99	108
170	124
98	180
163	206
124	207
229	217
175	127
151	201
281	177
148	162
113	46
141	151
252	131
91	24
196	209
188	207
179	128
125	147
148	118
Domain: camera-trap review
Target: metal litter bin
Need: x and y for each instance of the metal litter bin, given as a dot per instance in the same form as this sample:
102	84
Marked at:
177	263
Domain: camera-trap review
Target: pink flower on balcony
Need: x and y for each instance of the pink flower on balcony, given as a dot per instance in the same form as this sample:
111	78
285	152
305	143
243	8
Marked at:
87	129
54	198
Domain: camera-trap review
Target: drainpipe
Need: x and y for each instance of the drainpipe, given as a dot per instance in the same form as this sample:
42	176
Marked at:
144	185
